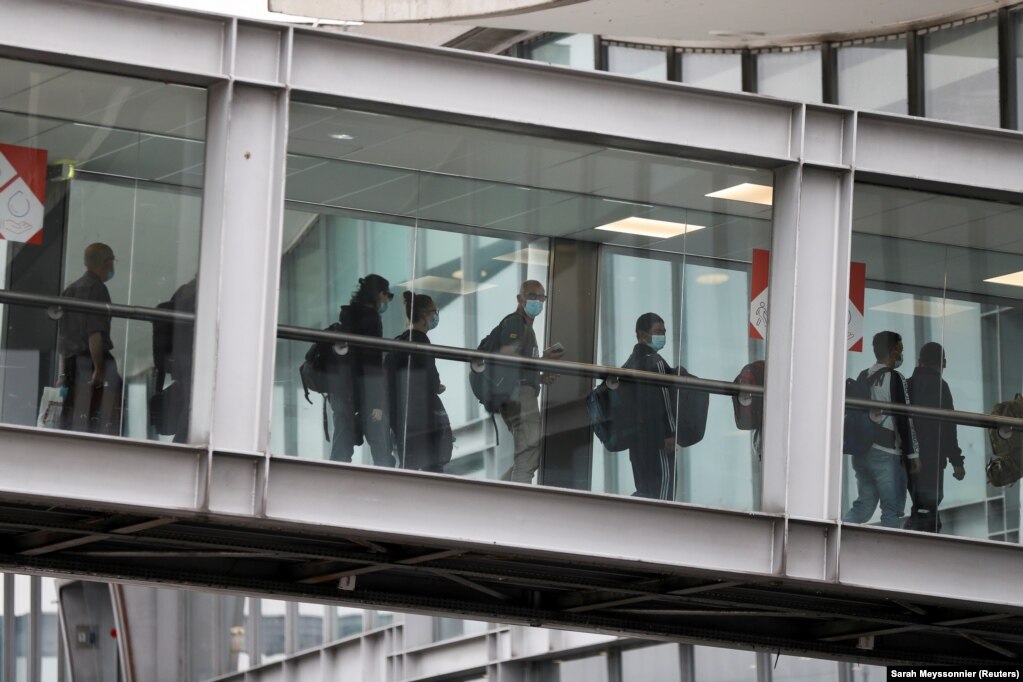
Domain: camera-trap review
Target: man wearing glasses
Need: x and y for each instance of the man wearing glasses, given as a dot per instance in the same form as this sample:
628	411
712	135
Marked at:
88	370
521	412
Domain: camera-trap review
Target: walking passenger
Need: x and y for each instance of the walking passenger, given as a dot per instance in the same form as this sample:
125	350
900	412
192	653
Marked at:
881	472
655	411
87	368
357	389
422	432
521	412
939	442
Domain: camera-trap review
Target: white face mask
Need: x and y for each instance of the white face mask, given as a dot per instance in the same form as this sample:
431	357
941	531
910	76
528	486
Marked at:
898	363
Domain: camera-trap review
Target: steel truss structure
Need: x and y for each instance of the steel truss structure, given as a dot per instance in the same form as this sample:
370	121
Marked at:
230	516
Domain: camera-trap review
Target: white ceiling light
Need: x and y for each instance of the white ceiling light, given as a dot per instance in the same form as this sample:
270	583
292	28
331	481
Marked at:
921	308
445	285
527	256
713	278
341	136
1013	279
748	192
645	227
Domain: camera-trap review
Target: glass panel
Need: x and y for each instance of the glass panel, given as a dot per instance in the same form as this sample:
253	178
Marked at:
105	173
592	669
792	75
638	62
575	50
449	628
961	73
347	621
661	663
1017	29
22	609
724	665
272	626
310	625
873	76
50	630
442	234
803	669
714	70
929	261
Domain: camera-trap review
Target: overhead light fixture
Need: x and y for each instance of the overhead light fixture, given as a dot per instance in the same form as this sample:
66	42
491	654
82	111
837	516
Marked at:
712	278
921	308
748	192
445	285
527	256
646	227
341	136
1013	279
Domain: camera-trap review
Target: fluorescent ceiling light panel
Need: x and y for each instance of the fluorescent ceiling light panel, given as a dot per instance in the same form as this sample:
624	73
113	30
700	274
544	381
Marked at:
712	278
445	285
1013	279
920	308
526	256
645	227
748	192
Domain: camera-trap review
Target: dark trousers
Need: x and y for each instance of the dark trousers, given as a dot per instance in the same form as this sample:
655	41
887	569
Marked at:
926	490
653	469
88	408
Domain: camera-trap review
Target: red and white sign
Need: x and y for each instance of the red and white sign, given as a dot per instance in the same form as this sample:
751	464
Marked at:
857	290
22	193
758	294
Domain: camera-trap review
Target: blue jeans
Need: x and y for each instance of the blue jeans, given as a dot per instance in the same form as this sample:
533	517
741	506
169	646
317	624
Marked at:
880	477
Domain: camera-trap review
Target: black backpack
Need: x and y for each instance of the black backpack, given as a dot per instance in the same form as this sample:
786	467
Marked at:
493	385
319	361
612	416
166	403
858	430
693	406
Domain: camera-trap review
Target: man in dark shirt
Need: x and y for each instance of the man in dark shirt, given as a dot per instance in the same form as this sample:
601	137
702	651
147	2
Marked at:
939	443
521	413
88	370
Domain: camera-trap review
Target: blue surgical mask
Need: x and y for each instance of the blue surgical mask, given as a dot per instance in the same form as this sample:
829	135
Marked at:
434	321
533	308
110	275
657	341
382	308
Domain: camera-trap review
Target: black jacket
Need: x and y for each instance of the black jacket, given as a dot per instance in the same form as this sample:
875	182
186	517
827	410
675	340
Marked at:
361	374
936	438
655	407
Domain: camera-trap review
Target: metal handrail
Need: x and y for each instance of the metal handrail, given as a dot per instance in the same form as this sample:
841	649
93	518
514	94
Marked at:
478	359
59	303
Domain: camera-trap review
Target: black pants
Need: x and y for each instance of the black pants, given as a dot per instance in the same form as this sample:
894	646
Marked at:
88	408
926	490
653	469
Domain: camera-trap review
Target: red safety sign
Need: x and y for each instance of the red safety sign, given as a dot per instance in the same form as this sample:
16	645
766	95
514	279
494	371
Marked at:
857	292
758	294
22	193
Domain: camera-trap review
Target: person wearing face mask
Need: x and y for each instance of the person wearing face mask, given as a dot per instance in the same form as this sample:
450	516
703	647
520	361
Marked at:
521	412
422	432
357	390
88	370
881	472
655	411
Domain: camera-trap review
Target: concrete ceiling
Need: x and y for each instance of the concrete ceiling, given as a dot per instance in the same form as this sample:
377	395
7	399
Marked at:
741	22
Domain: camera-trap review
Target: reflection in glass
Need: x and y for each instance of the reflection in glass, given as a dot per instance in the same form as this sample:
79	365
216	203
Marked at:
792	75
930	264
713	70
638	62
481	230
118	163
1017	30
873	76
961	73
575	50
